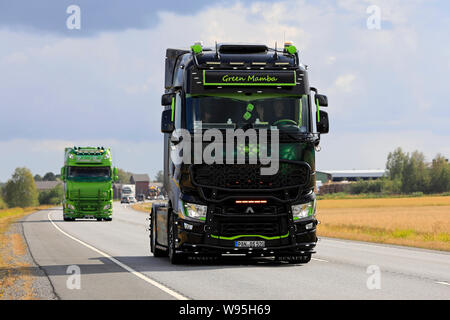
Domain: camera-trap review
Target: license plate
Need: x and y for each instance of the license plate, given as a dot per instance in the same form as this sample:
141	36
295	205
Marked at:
249	244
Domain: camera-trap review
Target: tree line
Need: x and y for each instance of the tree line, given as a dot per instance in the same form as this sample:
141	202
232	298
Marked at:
21	191
408	173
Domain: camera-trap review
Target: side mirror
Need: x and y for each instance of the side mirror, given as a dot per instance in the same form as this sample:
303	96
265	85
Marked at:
167	125
323	124
115	174
63	176
166	99
321	100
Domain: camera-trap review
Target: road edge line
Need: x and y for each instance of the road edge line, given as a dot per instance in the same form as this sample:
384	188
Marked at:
122	265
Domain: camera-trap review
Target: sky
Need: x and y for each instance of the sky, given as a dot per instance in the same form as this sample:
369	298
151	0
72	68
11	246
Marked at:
101	85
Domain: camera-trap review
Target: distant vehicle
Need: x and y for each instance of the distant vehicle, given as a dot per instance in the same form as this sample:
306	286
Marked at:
161	197
140	197
88	175
125	199
129	190
132	199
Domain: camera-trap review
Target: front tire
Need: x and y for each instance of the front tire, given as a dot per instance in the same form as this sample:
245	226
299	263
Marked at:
157	253
174	257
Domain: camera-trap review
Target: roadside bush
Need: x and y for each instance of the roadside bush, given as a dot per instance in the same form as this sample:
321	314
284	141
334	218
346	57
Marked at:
366	186
2	203
391	186
53	196
20	190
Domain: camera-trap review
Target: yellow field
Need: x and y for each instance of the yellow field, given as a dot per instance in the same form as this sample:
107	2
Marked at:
12	248
420	222
144	207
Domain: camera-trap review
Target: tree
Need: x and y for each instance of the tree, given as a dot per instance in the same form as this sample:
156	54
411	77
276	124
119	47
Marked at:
415	177
395	164
20	190
124	176
37	177
49	176
2	202
159	176
53	196
440	175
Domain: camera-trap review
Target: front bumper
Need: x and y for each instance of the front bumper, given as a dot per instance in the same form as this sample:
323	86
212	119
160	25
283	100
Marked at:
87	211
199	241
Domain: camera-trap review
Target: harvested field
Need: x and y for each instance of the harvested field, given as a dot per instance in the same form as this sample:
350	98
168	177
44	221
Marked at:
420	222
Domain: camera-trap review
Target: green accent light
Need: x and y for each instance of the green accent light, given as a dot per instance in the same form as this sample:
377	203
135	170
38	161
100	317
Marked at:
196	48
250	235
250	107
291	49
300	123
247	115
173	109
318	111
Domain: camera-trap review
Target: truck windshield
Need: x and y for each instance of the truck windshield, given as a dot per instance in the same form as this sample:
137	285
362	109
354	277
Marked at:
89	173
283	112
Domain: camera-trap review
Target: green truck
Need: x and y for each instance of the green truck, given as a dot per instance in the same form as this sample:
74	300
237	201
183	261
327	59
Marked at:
88	177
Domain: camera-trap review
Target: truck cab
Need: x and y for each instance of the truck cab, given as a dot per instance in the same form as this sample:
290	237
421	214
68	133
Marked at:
88	176
229	206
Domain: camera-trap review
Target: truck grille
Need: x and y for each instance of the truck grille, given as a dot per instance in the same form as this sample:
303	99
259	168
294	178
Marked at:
248	176
231	229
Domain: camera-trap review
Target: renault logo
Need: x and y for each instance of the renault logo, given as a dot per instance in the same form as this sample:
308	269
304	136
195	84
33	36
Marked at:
249	210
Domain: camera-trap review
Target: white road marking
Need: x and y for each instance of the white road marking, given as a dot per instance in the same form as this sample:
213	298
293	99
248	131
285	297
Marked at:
124	266
321	260
442	282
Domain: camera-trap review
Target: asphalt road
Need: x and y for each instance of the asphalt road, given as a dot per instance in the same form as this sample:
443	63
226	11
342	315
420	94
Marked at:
115	263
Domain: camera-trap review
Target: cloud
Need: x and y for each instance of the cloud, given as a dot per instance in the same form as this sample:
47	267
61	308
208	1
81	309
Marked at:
384	85
345	82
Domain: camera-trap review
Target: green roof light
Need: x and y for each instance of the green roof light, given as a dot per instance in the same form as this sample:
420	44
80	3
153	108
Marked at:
196	48
291	49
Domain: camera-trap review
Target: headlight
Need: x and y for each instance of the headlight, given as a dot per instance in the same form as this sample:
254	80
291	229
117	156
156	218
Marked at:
106	207
304	210
195	210
70	206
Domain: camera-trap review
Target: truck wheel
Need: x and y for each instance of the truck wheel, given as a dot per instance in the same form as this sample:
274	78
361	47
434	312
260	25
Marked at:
99	219
174	257
108	219
157	253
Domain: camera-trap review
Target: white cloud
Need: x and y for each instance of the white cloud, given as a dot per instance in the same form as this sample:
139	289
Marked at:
345	82
106	89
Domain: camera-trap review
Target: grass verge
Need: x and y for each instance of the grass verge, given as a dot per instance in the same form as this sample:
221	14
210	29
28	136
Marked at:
422	222
12	248
144	207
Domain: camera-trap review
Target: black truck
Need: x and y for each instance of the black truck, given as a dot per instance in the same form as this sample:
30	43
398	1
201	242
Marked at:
229	206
